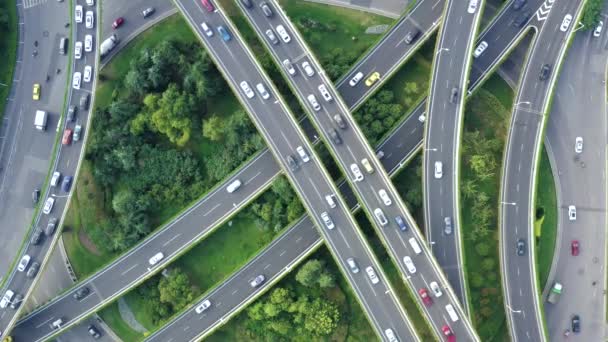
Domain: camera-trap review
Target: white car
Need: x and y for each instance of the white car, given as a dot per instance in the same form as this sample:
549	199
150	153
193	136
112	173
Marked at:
480	49
90	3
24	263
6	299
436	289
156	258
571	213
76	80
48	205
88	43
283	33
438	170
578	145
289	67
422	118
379	214
598	29
78	14
566	23
313	102
55	178
358	77
409	264
302	152
262	90
89	20
390	335
324	93
78	50
384	197
371	273
247	90
206	304
206	29
354	168
472	6
327	220
308	69
88	72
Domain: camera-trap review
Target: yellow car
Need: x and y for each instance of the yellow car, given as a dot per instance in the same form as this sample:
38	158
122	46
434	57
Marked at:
36	92
372	79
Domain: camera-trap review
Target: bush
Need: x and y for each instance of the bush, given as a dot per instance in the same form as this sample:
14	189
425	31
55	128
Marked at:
592	13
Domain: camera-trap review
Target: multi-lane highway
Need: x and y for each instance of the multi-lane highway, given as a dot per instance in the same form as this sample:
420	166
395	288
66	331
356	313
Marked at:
579	110
445	114
371	184
25	152
522	302
67	159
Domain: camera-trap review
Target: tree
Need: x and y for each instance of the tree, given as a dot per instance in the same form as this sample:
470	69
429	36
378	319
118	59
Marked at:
171	114
213	128
176	289
322	317
592	13
308	274
488	264
327	280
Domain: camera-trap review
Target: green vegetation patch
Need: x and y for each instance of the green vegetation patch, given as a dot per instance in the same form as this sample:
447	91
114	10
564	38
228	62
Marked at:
546	219
111	316
8	49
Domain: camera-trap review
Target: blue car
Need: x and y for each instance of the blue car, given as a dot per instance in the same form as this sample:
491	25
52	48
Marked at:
224	33
67	183
401	223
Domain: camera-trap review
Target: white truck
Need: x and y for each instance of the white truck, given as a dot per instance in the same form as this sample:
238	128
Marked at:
555	293
40	120
107	45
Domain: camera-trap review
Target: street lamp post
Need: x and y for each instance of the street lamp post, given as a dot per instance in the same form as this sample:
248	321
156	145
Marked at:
511	309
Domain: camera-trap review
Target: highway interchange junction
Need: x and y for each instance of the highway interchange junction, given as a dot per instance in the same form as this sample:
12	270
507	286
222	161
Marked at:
555	65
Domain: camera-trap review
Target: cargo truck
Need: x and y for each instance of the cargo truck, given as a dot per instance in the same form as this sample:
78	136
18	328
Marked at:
555	293
108	45
40	120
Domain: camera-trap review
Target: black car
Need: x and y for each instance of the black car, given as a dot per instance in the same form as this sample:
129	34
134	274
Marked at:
36	237
93	331
545	71
66	183
81	293
518	4
35	195
521	247
50	227
17	301
293	164
31	272
71	113
522	19
411	36
576	324
246	3
454	95
335	136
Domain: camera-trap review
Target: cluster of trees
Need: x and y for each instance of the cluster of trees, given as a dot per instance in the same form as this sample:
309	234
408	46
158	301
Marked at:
293	313
378	115
165	295
278	207
592	13
4	18
482	149
149	126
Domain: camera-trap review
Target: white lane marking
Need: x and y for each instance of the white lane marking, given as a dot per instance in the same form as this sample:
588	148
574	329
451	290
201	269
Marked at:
171	240
252	178
266	267
212	209
343	237
129	269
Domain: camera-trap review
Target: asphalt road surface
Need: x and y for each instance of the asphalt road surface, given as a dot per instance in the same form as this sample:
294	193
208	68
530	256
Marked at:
24	151
442	140
517	193
66	162
579	110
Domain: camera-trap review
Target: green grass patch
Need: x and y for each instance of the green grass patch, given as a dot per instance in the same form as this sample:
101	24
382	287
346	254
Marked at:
111	316
546	202
8	49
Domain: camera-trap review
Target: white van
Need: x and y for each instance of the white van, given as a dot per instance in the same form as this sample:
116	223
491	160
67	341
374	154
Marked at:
330	201
451	312
232	187
415	245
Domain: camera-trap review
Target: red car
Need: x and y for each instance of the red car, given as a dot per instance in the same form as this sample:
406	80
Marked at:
118	22
67	137
574	246
208	5
449	335
424	294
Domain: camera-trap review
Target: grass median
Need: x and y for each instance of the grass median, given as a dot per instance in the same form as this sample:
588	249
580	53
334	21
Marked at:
8	49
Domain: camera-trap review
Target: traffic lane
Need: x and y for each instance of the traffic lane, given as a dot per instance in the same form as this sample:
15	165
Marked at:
425	15
236	66
80	332
131	12
25	151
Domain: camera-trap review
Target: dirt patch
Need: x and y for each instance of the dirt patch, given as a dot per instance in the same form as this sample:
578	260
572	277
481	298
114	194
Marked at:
87	243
